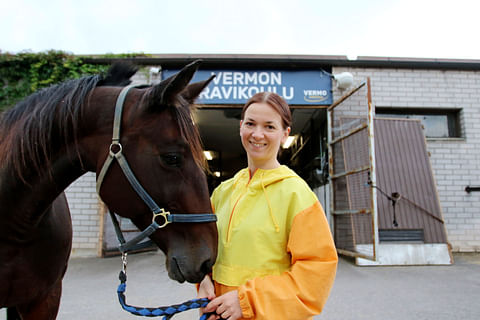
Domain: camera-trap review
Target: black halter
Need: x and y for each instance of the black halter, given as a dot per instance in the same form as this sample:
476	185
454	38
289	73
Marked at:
116	153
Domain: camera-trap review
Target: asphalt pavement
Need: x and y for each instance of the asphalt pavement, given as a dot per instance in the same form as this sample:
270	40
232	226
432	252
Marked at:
373	293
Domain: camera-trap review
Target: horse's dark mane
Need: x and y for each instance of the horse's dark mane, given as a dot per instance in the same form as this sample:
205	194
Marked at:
29	130
184	115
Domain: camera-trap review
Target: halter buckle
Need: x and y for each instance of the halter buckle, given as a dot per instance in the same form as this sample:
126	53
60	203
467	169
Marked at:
164	214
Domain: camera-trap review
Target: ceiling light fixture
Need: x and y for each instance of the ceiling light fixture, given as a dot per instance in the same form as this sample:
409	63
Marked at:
208	155
288	142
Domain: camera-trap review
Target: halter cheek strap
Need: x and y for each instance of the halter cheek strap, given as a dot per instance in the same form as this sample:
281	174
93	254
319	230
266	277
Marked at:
116	153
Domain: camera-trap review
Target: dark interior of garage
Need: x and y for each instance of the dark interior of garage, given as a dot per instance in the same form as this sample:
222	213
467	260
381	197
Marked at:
219	128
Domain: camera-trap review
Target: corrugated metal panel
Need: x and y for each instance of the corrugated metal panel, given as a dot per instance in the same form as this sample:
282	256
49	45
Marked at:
403	166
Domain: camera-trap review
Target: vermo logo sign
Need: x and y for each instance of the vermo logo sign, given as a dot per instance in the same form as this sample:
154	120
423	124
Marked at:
237	86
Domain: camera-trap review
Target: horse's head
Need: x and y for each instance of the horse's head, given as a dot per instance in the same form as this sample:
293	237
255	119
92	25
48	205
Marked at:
162	146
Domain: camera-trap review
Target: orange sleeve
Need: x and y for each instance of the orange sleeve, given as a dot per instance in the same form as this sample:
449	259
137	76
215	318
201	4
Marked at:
302	291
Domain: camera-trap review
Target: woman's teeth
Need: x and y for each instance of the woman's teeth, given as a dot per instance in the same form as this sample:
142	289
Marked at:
257	144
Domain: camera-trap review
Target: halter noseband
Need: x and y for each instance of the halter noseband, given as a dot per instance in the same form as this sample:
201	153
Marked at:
116	153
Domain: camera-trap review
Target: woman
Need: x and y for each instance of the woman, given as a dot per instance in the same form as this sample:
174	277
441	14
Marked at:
276	255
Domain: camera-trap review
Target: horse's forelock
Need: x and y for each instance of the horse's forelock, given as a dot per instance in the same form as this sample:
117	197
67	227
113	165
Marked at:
189	130
182	111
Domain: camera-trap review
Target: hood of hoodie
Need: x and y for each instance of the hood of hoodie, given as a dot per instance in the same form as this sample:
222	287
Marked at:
262	178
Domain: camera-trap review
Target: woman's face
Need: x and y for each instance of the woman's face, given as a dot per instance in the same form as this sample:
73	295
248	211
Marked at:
262	134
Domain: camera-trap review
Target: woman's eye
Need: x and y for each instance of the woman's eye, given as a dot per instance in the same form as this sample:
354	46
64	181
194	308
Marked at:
172	159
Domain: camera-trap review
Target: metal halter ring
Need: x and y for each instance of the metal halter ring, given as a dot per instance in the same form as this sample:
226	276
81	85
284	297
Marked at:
115	144
164	214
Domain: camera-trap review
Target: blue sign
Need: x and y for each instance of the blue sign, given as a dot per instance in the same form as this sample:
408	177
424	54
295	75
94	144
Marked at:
237	86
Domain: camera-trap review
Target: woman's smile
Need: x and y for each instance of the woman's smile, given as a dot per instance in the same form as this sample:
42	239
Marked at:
258	144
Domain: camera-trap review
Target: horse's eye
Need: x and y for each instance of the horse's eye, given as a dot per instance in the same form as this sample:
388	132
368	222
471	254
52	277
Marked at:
172	159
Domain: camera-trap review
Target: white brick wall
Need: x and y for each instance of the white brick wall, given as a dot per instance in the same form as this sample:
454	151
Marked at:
455	162
85	208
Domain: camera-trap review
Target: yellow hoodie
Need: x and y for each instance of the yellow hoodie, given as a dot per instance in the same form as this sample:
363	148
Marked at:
275	246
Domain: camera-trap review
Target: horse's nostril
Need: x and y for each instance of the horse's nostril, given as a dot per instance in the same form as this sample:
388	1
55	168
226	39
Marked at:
206	266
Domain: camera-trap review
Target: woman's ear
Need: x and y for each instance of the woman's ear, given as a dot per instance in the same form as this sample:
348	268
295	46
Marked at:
286	133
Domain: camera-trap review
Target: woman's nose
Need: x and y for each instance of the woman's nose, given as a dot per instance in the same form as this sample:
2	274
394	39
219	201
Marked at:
257	132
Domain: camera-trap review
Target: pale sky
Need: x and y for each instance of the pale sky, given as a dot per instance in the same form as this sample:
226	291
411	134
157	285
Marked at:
382	28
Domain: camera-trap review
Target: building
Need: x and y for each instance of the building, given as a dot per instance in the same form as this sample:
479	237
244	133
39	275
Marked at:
444	95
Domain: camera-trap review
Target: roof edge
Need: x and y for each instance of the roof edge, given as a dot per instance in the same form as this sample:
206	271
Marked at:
291	61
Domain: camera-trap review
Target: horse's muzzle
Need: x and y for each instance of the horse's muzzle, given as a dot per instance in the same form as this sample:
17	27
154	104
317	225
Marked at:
181	270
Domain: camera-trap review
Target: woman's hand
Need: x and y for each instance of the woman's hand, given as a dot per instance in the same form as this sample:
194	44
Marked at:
206	290
227	306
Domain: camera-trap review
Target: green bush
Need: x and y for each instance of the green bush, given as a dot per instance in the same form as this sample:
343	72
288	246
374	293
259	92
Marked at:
23	73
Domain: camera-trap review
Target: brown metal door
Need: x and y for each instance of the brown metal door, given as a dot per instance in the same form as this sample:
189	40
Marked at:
351	169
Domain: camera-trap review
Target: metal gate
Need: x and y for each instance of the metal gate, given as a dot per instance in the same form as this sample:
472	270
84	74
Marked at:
352	173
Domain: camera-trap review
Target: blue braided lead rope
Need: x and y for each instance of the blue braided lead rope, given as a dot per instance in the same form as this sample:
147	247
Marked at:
168	312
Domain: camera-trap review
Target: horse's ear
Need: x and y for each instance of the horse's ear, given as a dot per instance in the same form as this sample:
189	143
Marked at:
193	90
118	74
166	91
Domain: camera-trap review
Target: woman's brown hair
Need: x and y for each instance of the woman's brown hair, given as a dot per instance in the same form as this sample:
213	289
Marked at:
276	102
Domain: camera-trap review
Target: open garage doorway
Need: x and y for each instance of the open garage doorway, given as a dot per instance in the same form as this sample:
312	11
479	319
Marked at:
219	127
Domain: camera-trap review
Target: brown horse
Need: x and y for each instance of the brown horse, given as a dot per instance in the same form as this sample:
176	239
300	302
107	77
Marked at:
56	135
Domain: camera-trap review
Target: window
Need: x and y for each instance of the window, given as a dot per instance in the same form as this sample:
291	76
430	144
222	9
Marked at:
443	123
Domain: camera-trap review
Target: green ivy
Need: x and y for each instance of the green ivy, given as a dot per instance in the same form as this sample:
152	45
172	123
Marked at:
23	73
